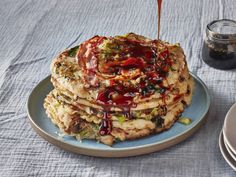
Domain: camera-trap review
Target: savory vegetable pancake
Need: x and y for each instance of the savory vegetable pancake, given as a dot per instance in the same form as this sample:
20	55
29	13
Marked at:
118	88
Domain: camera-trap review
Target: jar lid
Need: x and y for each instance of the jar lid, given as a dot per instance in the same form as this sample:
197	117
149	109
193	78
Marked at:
222	30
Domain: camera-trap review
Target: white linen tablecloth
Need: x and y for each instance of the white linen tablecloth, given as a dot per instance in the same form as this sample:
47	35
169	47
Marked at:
33	32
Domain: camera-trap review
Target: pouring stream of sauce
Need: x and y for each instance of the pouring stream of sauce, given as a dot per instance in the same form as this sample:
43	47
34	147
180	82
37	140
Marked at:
159	2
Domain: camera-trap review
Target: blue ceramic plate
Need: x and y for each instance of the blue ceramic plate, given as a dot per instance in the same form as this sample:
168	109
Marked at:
197	111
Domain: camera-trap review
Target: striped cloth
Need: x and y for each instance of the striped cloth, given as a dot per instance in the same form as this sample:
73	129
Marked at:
33	32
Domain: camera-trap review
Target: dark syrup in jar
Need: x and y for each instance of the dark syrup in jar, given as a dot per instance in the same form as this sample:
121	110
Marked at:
219	47
219	57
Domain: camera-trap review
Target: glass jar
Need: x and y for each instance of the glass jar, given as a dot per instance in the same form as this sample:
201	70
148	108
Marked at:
219	47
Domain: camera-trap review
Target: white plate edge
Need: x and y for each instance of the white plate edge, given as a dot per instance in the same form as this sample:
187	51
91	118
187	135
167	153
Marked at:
224	128
224	154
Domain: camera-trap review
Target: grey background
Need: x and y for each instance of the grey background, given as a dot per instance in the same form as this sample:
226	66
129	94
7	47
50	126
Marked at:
33	32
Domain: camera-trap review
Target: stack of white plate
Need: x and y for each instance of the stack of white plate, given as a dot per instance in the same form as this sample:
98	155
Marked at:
227	138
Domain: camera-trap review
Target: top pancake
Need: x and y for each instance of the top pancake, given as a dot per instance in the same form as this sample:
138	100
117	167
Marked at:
122	70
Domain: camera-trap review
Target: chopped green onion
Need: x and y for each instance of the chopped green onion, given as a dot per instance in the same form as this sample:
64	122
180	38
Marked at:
72	51
121	118
185	120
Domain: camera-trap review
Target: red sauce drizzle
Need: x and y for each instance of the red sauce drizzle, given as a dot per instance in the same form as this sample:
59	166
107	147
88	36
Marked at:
125	64
177	97
106	125
118	95
89	61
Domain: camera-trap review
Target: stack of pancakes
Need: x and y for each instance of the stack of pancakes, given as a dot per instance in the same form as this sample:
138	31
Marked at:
118	88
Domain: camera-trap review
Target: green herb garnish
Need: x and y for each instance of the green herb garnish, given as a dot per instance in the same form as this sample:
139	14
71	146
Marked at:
172	69
83	133
185	120
72	51
120	118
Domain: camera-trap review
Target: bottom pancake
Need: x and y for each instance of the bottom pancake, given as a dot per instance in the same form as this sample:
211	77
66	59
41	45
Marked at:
76	122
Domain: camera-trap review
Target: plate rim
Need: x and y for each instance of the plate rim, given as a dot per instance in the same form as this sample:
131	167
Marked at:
225	132
126	151
228	148
224	151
